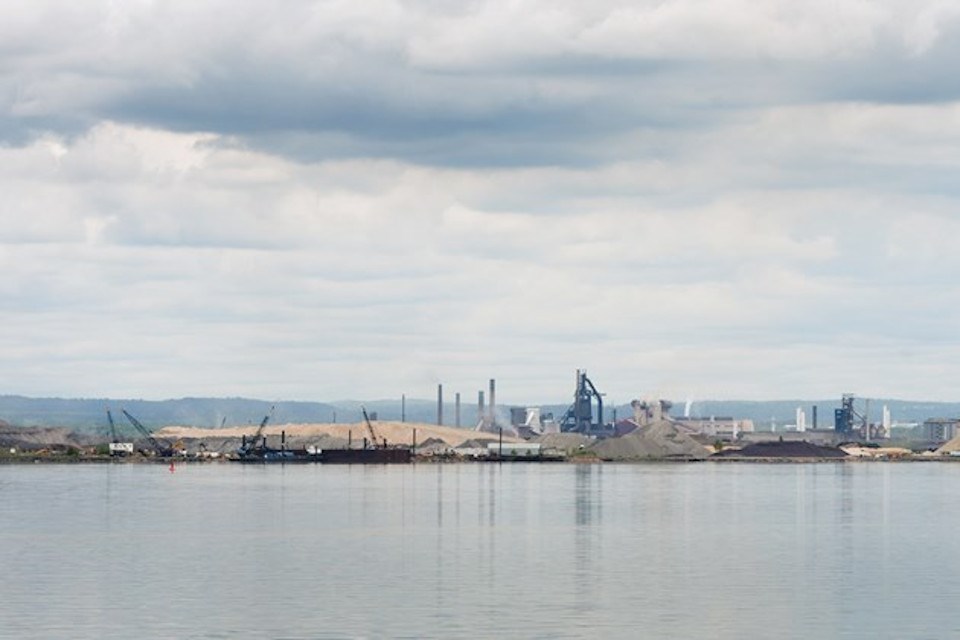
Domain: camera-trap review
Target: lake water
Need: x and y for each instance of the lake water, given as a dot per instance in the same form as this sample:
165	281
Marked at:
854	550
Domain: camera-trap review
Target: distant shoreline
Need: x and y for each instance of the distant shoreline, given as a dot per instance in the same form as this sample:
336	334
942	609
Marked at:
31	461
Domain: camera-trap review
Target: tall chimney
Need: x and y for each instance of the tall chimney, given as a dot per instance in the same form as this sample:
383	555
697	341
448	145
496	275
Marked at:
493	402
481	416
457	397
440	404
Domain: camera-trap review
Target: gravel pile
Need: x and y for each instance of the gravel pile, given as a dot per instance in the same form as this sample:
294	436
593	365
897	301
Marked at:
783	450
661	440
569	442
478	443
37	437
433	447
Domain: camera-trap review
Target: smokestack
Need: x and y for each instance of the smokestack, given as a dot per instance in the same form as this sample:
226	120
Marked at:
814	417
866	420
440	404
403	408
457	397
481	416
493	402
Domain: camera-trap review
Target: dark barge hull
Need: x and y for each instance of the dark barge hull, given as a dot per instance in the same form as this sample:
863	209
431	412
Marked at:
331	456
366	456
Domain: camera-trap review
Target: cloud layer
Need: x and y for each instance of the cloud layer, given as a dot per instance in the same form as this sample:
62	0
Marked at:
331	199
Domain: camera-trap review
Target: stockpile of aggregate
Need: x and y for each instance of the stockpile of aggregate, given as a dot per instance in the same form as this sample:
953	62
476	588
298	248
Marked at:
661	440
37	437
569	442
478	443
783	450
322	441
433	446
229	445
396	433
950	446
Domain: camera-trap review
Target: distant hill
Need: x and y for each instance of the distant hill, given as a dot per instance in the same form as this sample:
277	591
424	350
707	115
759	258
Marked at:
781	412
89	415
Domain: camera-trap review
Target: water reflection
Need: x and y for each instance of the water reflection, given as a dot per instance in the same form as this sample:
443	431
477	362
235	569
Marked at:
588	503
658	551
439	481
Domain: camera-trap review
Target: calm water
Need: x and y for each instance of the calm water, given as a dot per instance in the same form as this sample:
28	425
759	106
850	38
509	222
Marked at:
472	550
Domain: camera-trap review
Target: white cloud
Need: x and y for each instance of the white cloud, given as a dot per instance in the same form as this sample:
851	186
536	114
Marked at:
339	199
926	26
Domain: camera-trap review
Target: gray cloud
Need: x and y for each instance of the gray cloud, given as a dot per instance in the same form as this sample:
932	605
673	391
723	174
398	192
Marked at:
329	200
483	86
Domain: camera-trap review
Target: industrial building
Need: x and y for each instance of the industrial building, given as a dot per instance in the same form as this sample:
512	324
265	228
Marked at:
940	430
720	427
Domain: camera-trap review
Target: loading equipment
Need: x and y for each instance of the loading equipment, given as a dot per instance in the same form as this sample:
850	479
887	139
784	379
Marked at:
113	427
373	434
163	448
116	447
257	443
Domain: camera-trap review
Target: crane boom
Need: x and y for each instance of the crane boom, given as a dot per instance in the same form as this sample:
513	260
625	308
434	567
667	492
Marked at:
252	444
373	434
113	427
163	450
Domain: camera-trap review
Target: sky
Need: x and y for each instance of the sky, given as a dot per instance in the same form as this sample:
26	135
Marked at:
706	199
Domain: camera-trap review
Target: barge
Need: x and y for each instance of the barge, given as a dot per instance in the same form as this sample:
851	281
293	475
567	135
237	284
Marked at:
398	455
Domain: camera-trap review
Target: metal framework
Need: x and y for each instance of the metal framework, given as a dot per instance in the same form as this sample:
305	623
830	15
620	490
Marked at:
373	434
846	419
579	417
164	449
248	447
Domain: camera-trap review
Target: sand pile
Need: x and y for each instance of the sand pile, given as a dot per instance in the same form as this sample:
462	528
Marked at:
876	452
949	447
783	450
660	440
394	432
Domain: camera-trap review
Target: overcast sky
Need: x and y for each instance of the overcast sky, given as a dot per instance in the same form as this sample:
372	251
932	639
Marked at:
723	199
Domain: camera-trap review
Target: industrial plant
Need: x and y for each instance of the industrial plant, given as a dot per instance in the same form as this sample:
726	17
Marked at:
586	429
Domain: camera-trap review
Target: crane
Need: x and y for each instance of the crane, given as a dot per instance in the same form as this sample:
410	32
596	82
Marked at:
248	446
164	449
373	434
116	447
